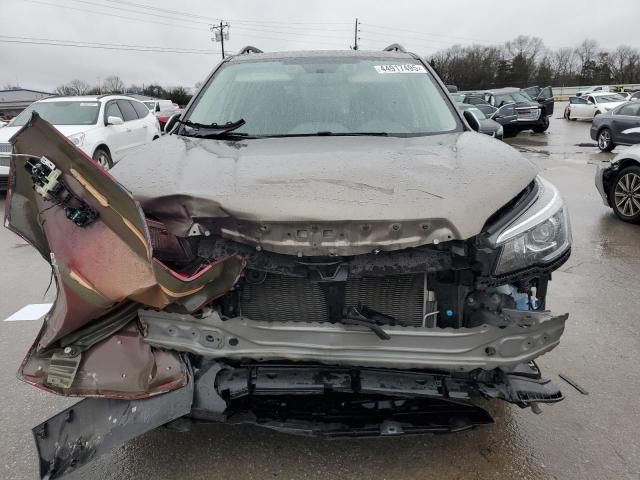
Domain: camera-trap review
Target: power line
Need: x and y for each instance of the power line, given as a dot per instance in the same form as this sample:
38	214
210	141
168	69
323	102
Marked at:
381	27
109	14
216	19
97	45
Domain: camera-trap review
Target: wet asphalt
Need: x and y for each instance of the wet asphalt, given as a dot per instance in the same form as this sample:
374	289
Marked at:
594	436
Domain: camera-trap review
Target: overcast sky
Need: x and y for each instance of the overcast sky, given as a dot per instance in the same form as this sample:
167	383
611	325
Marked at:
421	26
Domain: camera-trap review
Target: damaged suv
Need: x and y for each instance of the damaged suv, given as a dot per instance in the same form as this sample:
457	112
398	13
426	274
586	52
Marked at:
321	245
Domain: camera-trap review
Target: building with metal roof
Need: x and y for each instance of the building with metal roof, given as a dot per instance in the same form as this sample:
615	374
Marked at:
15	100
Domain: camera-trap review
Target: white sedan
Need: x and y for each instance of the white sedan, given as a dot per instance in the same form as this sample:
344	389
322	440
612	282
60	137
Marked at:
588	106
105	127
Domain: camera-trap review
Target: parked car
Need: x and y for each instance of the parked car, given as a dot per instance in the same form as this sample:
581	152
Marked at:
589	106
156	106
599	89
544	97
619	184
106	127
620	126
486	125
322	246
165	115
530	115
635	96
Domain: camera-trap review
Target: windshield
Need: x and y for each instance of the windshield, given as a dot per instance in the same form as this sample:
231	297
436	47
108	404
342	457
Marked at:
150	105
308	96
516	97
458	97
61	113
609	98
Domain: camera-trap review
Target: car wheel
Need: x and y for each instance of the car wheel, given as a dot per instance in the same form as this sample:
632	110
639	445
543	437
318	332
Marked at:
542	126
567	114
625	195
102	157
604	140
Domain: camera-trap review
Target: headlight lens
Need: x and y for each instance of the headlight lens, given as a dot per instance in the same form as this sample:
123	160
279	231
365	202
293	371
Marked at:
500	131
540	237
77	139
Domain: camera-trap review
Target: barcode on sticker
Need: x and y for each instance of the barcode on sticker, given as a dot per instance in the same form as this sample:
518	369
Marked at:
407	68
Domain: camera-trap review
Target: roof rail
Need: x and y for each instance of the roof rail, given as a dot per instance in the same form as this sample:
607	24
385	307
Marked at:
249	49
394	47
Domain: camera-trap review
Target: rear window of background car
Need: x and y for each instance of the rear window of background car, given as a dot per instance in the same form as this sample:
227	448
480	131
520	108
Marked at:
140	109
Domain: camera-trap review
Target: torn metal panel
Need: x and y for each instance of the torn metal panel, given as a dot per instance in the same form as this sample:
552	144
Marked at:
73	438
528	335
96	237
120	366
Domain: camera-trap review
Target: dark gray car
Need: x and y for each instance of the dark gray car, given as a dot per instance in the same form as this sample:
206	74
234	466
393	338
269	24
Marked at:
485	125
620	126
321	246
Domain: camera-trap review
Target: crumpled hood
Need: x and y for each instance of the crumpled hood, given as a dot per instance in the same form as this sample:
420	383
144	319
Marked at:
462	178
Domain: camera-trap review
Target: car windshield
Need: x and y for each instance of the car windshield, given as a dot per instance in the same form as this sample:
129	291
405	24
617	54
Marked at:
516	97
326	95
458	97
614	97
61	113
150	105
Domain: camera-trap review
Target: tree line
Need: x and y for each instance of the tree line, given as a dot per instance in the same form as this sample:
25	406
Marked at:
115	86
526	61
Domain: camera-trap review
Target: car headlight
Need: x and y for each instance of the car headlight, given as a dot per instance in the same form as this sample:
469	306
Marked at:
500	132
540	235
77	139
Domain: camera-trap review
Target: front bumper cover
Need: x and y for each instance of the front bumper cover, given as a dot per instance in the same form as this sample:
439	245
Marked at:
310	400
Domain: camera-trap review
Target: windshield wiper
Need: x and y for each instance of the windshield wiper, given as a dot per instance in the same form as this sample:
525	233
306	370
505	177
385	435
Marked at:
351	134
214	130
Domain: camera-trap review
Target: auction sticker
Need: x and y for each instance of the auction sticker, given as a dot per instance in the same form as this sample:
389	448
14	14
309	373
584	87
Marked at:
406	68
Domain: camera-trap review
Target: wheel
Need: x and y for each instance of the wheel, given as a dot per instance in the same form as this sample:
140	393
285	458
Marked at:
569	116
604	140
624	195
102	157
542	126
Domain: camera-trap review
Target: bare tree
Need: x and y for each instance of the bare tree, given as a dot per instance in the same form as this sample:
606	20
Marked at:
74	88
586	53
527	47
622	60
113	84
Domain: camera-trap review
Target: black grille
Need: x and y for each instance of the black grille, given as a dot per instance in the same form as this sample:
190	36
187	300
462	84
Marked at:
282	298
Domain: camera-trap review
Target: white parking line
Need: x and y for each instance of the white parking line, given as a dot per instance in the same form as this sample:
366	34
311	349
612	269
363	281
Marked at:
33	311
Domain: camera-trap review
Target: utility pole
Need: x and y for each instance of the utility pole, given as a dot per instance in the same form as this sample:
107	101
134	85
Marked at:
220	34
355	36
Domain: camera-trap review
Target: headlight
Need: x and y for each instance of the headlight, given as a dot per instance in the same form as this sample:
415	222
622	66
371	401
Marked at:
77	139
500	132
540	235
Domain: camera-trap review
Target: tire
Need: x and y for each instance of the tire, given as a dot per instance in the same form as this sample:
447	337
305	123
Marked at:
542	126
569	116
605	143
624	194
102	158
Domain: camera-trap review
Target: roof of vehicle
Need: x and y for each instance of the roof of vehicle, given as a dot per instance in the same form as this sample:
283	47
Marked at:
505	90
86	98
252	57
603	94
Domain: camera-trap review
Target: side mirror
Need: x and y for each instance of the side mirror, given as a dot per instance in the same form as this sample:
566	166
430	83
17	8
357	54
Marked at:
114	121
171	123
471	120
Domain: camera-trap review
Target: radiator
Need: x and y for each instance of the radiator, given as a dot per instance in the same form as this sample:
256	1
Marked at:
282	298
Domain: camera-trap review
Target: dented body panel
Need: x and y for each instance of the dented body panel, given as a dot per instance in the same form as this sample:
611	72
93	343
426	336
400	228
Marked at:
327	196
